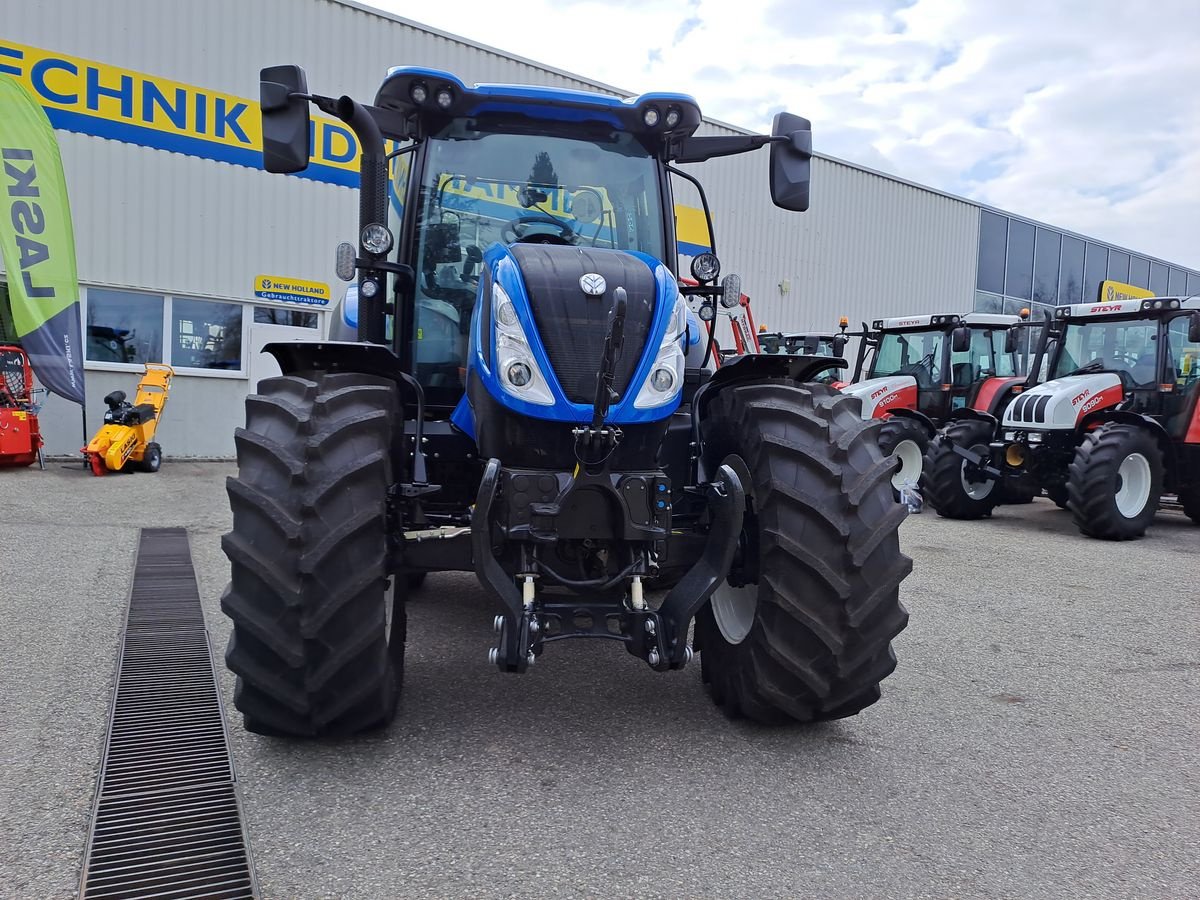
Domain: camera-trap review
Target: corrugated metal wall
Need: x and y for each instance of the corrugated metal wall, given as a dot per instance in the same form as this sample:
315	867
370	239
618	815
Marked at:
166	222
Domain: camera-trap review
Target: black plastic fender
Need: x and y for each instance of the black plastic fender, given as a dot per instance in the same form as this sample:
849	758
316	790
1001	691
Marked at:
917	416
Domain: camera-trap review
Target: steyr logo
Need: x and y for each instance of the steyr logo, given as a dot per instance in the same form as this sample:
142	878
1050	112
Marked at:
592	284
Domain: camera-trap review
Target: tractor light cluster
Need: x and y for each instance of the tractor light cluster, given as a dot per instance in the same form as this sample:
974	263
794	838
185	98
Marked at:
1160	303
944	320
666	375
418	92
652	117
518	371
1036	437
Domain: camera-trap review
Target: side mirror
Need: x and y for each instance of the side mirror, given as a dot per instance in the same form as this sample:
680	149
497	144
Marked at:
839	344
1010	340
1194	328
960	339
285	119
791	162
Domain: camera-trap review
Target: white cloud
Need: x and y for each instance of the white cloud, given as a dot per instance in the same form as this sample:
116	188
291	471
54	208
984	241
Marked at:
1081	113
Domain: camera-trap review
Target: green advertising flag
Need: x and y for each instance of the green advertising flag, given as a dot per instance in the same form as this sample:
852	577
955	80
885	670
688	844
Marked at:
38	244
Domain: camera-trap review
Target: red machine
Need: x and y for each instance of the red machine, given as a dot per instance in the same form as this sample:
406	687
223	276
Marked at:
20	439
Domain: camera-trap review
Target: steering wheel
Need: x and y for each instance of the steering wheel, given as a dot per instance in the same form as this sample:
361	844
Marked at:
518	230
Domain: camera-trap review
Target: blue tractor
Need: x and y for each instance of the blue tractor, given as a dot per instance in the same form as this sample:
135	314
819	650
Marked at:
531	394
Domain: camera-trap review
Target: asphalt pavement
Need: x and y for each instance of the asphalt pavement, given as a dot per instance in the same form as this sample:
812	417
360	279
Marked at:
1040	737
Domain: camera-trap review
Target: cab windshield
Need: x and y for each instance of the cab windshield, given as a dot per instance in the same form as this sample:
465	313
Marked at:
1115	346
915	353
481	186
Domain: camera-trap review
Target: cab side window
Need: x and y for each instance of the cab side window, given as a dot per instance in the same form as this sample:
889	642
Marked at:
1183	356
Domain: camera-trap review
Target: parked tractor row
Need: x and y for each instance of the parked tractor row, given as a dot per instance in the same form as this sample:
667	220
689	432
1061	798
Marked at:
1104	418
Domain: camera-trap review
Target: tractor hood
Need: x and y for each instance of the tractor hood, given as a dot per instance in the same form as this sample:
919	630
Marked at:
1062	403
882	395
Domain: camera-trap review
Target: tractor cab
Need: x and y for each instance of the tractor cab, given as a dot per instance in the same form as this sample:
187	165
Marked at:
920	370
831	345
934	363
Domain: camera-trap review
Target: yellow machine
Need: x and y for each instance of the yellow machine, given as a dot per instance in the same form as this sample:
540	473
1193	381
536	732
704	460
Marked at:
126	439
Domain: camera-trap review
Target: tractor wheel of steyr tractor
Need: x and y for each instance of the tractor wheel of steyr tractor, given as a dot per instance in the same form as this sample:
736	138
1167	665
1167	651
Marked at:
1115	482
802	628
1189	499
309	546
151	459
947	487
907	440
1058	493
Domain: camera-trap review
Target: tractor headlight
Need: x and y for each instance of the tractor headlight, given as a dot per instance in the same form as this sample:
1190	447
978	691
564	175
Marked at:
376	239
517	370
1035	437
666	374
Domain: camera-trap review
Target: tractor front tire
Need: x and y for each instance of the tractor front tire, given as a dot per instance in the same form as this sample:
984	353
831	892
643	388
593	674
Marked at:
907	440
809	637
1115	482
946	486
308	554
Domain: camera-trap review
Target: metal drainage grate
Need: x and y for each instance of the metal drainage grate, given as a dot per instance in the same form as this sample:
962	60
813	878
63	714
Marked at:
167	820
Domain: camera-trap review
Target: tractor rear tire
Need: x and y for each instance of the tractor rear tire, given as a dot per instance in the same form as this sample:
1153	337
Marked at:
812	639
946	487
1115	482
908	441
308	554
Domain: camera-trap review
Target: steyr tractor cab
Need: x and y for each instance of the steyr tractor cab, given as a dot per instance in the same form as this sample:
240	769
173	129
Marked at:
923	368
518	404
1115	426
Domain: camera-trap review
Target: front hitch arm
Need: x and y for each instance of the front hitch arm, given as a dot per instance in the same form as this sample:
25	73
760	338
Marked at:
981	464
727	503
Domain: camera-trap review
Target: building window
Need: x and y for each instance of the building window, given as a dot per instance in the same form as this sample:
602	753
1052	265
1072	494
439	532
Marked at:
1139	272
1018	272
123	327
1118	266
1070	273
1095	270
1045	266
993	238
988	303
206	334
274	315
1177	286
1158	279
1193	285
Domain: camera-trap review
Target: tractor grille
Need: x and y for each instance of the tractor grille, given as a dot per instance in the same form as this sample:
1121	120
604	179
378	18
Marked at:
1030	408
572	325
167	820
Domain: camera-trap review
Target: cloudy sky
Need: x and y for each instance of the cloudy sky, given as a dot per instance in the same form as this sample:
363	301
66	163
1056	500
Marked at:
1081	113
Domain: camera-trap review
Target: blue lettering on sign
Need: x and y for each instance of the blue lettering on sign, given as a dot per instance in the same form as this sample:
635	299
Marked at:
11	53
153	97
228	118
27	218
95	90
329	154
38	76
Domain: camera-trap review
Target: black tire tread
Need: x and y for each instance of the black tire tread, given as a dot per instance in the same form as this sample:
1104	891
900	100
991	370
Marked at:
308	557
1091	481
828	605
1189	499
941	482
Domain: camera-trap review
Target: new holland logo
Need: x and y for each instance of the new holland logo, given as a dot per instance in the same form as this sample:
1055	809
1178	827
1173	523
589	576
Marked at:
592	284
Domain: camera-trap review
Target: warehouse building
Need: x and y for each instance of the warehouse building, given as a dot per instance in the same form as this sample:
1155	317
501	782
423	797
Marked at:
190	254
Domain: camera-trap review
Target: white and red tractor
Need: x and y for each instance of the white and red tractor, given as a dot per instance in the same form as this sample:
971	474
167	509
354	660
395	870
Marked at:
1114	427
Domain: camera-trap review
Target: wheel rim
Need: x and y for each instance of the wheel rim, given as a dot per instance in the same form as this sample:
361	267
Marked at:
1133	485
909	471
734	608
976	490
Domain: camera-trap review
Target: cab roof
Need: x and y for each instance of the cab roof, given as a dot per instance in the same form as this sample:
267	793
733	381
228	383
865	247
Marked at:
438	95
1151	306
944	320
